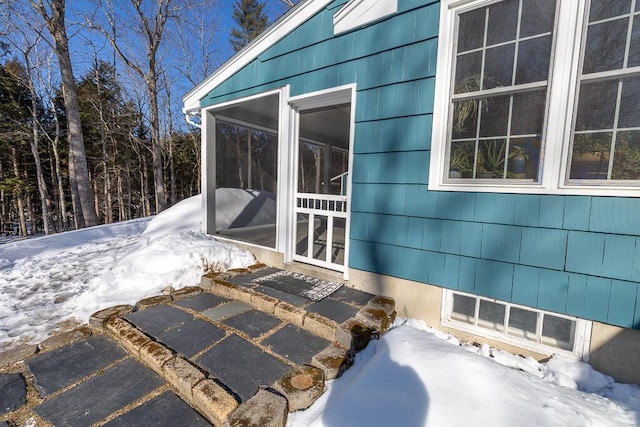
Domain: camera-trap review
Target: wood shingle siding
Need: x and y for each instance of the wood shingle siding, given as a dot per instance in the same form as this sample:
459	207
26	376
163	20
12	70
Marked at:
577	255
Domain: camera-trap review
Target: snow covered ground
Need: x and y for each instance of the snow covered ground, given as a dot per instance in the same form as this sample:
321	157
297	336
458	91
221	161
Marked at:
53	282
412	376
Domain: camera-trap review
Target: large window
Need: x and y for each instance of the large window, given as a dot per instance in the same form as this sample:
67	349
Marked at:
538	96
606	143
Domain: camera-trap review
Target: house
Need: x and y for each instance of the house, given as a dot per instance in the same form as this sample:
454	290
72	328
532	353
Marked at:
478	161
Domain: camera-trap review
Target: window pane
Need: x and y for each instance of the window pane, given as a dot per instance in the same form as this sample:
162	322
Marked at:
558	331
522	323
634	46
602	9
491	157
468	70
597	105
528	113
491	315
464	308
605	46
533	60
495	116
629	115
465	119
590	156
461	160
471	30
503	22
537	17
339	165
311	168
498	68
524	157
246	172
626	159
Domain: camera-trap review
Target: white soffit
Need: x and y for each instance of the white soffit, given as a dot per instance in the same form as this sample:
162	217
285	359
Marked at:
357	13
304	10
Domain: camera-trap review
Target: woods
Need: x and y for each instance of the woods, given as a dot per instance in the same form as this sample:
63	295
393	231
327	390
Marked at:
90	126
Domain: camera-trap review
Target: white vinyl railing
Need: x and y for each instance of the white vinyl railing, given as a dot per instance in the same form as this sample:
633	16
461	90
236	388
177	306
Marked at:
318	207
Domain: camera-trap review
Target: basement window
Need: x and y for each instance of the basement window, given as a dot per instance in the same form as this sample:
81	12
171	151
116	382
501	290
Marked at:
535	330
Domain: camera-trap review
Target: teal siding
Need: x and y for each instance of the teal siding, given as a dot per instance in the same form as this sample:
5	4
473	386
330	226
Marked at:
578	255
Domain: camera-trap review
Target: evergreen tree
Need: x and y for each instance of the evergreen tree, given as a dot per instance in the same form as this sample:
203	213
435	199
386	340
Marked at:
251	19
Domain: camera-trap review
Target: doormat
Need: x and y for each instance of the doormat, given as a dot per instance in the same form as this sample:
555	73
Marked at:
299	284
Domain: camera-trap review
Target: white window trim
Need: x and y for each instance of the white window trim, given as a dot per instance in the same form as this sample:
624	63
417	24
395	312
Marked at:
557	130
357	13
582	333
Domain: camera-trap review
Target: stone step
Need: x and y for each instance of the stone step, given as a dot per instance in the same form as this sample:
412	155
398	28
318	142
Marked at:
244	348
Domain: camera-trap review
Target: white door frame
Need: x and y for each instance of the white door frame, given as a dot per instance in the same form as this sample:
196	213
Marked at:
324	98
208	159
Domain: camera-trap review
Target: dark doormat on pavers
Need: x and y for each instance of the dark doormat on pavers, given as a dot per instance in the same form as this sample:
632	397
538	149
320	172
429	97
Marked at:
298	284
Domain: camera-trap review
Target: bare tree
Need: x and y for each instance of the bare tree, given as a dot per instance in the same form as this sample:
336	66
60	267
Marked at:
26	43
151	18
53	13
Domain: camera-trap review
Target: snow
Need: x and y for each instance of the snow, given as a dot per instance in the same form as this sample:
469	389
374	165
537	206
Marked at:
412	376
416	376
57	281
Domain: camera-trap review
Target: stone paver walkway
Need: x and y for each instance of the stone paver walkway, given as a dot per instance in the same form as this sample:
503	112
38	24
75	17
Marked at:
244	348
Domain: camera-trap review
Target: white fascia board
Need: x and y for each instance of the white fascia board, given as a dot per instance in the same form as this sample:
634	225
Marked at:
357	13
303	11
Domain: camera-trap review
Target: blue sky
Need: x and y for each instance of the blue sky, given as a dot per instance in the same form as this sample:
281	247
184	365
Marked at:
220	15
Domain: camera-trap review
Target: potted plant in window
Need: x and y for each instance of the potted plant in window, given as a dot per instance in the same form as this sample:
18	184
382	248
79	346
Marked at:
491	159
461	162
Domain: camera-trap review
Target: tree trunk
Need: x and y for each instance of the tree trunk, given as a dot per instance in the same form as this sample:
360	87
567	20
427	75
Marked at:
146	206
156	144
22	221
122	214
129	191
33	222
42	186
239	158
79	175
62	205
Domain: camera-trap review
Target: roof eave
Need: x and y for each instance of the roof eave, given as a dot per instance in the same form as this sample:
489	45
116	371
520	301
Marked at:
302	11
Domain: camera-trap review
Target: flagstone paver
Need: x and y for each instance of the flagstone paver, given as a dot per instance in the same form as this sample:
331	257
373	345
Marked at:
332	309
242	366
352	296
101	395
238	353
253	322
227	310
65	365
191	337
201	302
158	318
13	392
154	413
295	344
